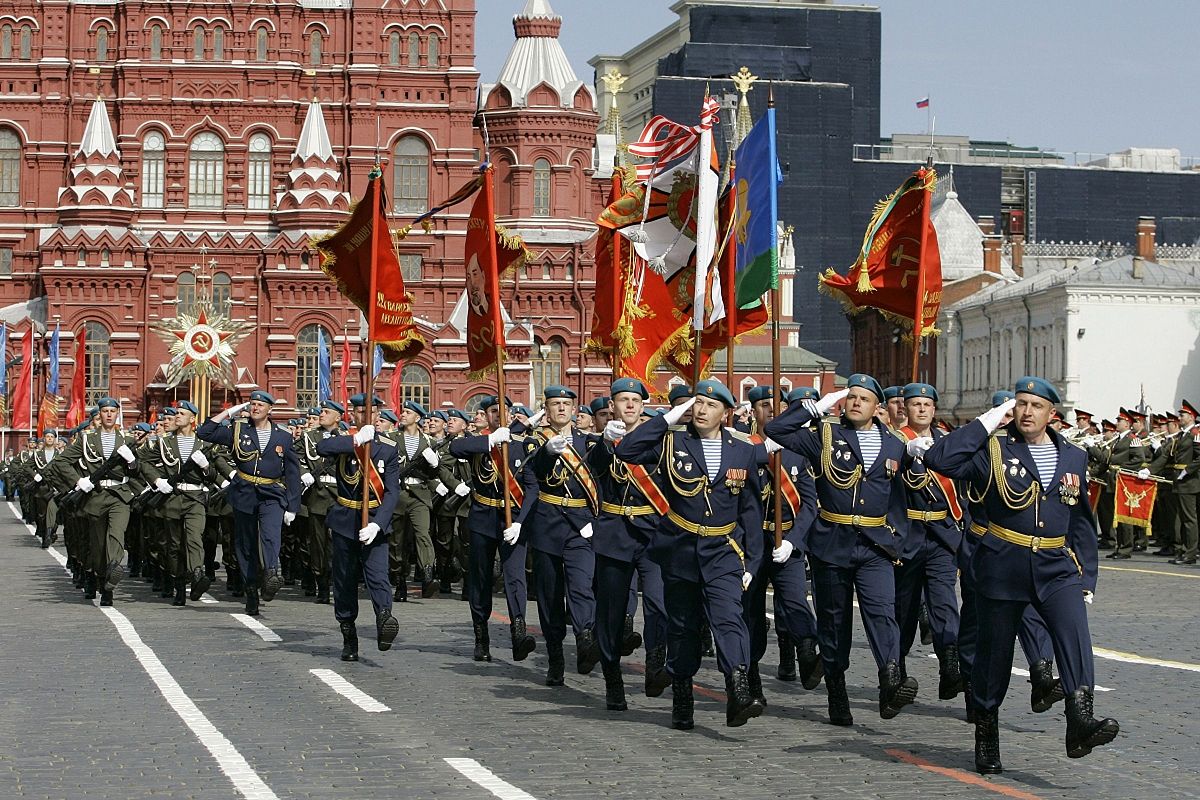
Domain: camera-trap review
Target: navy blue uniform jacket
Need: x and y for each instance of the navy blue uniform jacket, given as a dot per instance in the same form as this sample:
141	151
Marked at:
347	521
278	463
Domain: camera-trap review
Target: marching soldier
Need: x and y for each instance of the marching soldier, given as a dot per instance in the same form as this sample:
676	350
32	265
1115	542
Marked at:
1164	443
893	397
135	532
1184	462
1125	452
320	492
45	510
858	535
419	464
709	544
264	491
453	487
1039	549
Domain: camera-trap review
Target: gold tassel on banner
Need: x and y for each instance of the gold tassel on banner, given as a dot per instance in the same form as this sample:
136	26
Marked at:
864	280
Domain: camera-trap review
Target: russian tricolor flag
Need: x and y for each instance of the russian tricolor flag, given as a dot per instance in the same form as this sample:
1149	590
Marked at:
923	102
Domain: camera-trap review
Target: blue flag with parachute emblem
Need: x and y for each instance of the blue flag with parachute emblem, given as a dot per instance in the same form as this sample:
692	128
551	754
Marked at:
756	229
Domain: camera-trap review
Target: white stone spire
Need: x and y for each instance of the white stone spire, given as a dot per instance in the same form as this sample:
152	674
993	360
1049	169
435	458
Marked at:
314	136
539	8
98	137
537	58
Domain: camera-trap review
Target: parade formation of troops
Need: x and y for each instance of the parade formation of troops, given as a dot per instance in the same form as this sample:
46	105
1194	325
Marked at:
979	537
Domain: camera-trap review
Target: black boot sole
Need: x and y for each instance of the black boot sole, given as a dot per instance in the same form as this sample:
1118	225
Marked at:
522	649
388	632
905	693
115	576
270	588
743	715
555	679
482	654
812	676
949	688
1105	733
989	769
1041	703
630	643
683	724
657	683
198	590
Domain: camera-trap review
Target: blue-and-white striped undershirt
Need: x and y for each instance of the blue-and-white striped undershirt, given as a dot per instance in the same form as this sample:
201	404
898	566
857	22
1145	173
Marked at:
870	443
712	457
1045	458
108	442
264	436
186	445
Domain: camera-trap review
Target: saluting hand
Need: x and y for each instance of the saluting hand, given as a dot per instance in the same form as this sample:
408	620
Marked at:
614	431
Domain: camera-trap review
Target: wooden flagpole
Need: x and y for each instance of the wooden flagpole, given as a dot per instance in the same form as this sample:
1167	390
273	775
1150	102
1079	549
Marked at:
498	328
919	315
776	373
364	456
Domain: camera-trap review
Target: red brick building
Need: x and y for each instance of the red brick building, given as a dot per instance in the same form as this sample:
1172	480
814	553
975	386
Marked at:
139	140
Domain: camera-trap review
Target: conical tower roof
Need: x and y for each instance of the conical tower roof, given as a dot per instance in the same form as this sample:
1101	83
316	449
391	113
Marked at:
96	192
537	58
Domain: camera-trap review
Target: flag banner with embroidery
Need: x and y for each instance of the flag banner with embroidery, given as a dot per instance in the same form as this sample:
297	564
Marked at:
22	395
77	409
757	177
1135	499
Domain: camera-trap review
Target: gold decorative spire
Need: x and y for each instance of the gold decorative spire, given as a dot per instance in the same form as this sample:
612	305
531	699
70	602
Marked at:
613	81
743	82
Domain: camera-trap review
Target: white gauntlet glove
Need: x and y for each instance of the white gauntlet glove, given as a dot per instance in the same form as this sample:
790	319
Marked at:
200	459
230	412
614	431
1143	473
163	486
783	552
536	419
822	406
771	445
746	579
918	446
124	452
365	434
289	517
84	485
462	490
512	533
368	534
556	444
440	489
499	436
586	531
992	418
307	479
673	415
431	458
1088	597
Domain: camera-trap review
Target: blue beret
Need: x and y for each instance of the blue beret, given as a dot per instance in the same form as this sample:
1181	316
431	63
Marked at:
803	393
520	409
715	390
555	390
585	410
1038	386
651	413
343	427
920	390
360	400
870	384
454	412
332	406
1001	397
678	392
598	404
262	397
169	411
760	393
107	402
439	415
49	432
188	405
390	416
416	408
144	427
314	412
893	391
492	400
628	385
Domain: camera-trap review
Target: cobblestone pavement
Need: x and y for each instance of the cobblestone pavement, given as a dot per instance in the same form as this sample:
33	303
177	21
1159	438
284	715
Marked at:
163	702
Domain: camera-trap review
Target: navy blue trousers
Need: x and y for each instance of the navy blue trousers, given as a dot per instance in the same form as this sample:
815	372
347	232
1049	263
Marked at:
932	574
792	614
999	620
256	536
350	559
615	581
1033	635
559	582
688	603
873	577
512	564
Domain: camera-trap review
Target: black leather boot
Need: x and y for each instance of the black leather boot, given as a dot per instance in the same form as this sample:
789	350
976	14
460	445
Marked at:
429	583
114	573
309	584
251	601
614	688
923	625
200	583
156	579
706	641
1047	689
811	668
233	582
587	652
657	677
386	629
756	690
1084	731
322	591
522	642
557	667
349	640
839	702
401	595
787	658
106	597
682	704
987	743
895	690
89	586
740	705
950	682
631	640
180	592
970	705
168	585
483	651
272	582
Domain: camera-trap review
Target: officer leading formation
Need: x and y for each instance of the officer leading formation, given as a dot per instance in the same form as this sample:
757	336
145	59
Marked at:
600	508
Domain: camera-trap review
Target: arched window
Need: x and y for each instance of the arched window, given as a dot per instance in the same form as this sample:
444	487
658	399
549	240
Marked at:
415	385
546	360
314	47
206	172
414	49
185	293
541	188
105	257
156	33
260	44
102	44
307	364
258	174
95	360
154	159
475	401
218	44
432	54
222	294
10	168
6	39
26	43
198	44
411	179
394	48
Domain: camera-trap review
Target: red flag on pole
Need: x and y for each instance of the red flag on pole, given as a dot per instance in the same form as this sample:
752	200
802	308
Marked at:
22	411
1135	499
395	389
76	411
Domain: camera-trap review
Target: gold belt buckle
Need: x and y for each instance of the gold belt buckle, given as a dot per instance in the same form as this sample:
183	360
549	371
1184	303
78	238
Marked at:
701	530
626	511
855	519
1036	543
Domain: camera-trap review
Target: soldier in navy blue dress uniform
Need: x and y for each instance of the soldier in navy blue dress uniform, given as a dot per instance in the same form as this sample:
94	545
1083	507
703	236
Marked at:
709	545
1039	549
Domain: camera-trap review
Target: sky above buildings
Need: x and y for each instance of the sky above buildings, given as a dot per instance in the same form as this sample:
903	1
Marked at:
1074	75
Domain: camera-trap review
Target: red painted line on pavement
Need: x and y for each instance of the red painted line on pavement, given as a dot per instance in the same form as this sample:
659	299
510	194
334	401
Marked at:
960	775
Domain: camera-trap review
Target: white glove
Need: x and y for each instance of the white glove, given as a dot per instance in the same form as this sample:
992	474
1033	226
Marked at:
533	421
230	412
1088	597
365	434
368	534
673	415
200	459
288	517
499	436
586	531
746	579
512	533
462	490
771	445
84	485
37	477
1155	444
1143	473
431	458
992	418
441	489
124	452
614	430
827	402
163	486
224	483
918	446
783	552
556	444
307	479
1182	474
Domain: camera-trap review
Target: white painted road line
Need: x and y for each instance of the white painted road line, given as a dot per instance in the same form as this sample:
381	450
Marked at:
208	599
476	772
263	631
1024	673
349	691
1134	658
